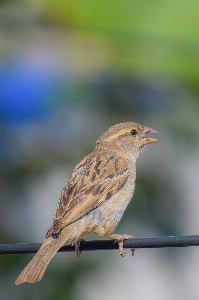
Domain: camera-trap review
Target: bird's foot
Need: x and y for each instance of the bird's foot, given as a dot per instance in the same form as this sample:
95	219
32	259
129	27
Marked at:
121	238
77	248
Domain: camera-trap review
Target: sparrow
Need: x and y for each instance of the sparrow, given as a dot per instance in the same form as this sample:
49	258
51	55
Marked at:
95	196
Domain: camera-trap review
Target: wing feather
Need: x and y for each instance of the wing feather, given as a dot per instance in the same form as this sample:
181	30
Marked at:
94	181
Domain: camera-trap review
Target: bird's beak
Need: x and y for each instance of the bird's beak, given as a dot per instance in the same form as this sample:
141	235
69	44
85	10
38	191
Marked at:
146	141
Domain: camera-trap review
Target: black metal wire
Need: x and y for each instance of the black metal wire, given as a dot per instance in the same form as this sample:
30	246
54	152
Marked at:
159	242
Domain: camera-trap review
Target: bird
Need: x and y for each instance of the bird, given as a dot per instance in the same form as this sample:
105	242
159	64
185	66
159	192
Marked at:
95	196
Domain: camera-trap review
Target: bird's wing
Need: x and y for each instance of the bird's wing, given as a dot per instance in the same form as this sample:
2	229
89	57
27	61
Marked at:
94	181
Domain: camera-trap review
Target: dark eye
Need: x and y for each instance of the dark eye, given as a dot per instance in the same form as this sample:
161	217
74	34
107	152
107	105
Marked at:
133	132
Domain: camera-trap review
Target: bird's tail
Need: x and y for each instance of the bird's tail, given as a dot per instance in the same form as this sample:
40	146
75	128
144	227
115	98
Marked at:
34	271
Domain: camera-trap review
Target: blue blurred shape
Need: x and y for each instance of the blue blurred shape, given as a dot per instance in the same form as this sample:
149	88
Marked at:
27	91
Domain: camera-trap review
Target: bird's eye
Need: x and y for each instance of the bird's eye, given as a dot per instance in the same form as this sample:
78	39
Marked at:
133	132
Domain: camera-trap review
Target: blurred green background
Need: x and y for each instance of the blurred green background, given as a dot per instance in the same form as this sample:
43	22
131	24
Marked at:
69	71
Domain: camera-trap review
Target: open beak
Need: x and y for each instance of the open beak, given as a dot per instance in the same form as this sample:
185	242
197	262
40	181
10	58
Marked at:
146	141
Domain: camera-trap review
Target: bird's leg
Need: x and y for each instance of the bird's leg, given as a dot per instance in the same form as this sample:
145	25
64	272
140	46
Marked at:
133	251
121	238
77	248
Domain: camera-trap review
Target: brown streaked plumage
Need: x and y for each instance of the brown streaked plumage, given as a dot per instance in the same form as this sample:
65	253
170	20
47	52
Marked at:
95	196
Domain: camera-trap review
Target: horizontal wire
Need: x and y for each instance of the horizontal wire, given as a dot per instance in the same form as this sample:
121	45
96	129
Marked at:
159	242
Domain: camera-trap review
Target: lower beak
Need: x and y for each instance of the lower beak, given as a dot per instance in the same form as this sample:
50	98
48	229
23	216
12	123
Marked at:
146	141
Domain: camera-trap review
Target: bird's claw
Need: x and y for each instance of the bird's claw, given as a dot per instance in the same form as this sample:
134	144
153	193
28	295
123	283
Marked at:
120	239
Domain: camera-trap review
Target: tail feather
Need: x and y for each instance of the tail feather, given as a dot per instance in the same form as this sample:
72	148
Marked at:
34	271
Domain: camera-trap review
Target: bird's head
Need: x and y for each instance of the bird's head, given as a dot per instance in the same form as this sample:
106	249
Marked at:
129	137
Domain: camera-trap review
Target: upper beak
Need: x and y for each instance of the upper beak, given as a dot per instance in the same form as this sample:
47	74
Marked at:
146	141
148	130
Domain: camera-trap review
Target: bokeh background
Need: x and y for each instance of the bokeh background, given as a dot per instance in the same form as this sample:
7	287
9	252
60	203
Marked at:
69	71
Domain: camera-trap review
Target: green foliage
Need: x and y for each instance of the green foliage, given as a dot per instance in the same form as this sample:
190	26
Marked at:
149	37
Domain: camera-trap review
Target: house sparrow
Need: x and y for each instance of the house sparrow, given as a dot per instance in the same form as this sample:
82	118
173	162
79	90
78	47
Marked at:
95	196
